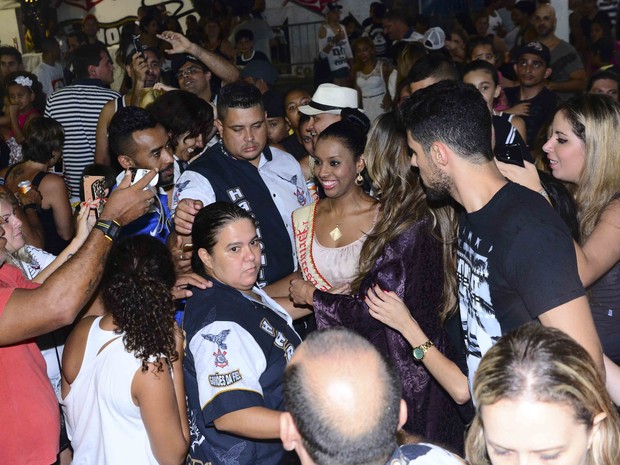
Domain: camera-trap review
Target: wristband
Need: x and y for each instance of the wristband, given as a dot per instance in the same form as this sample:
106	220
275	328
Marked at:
29	205
545	194
111	229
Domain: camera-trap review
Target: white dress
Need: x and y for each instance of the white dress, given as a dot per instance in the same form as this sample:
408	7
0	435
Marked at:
372	87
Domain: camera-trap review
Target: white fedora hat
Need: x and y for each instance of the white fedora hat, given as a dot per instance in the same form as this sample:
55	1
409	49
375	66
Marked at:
330	98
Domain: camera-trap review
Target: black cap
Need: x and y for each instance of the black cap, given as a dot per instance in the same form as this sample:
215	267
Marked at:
179	59
535	48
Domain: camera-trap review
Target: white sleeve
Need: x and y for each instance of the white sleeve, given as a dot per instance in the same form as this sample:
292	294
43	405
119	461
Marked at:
192	185
226	358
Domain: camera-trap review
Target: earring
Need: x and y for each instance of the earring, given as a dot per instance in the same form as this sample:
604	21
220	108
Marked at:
359	180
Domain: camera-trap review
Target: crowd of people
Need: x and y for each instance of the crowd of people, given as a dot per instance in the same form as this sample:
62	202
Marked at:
417	261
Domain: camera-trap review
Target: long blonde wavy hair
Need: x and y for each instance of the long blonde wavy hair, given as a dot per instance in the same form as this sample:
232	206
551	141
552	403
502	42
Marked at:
544	365
595	120
402	203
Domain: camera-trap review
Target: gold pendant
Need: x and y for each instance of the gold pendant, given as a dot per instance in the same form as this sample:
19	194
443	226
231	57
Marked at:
335	233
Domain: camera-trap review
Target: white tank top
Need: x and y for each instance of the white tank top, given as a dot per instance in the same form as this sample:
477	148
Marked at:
103	423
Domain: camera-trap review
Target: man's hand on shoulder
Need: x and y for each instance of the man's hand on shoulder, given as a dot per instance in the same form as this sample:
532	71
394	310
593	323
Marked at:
184	215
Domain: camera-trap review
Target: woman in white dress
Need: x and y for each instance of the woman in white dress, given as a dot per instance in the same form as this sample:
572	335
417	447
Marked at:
371	79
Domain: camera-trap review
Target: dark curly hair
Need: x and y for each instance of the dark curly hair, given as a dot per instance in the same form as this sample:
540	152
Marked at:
136	291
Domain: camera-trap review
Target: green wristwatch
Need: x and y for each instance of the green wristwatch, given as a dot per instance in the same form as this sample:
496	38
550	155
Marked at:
111	229
420	351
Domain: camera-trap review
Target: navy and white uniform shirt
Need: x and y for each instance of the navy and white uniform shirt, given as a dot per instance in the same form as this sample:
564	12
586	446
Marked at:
237	350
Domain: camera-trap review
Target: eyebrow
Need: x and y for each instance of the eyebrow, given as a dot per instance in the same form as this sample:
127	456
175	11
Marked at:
243	125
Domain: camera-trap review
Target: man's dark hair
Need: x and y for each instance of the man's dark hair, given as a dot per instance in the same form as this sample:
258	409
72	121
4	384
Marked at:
474	42
11	51
396	15
182	112
433	65
238	95
87	55
482	65
330	442
124	123
48	44
244	34
451	112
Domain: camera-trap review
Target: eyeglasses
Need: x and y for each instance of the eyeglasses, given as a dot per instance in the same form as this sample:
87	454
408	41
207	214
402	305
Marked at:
533	63
188	72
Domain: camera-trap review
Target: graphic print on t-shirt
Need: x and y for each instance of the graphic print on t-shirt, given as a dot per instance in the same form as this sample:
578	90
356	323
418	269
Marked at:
480	325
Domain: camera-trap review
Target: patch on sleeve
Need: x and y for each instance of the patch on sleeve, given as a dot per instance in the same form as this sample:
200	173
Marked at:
220	356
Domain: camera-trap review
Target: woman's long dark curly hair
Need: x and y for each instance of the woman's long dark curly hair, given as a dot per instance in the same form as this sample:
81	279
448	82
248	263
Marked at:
136	290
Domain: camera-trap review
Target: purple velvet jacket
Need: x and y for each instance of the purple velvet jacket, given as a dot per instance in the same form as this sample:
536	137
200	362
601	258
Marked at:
411	266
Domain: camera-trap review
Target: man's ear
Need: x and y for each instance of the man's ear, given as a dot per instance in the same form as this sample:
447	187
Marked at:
439	153
92	73
402	414
548	72
289	435
126	161
218	124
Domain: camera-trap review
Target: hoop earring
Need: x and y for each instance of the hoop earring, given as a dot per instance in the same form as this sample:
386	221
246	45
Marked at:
359	180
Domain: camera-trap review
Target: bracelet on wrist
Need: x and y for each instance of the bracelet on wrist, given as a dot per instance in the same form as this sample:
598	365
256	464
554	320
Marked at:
30	205
111	229
545	194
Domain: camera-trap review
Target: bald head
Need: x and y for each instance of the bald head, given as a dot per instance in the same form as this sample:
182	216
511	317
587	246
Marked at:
544	21
344	399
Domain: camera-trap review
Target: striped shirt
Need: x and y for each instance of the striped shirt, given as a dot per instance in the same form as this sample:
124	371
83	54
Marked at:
77	108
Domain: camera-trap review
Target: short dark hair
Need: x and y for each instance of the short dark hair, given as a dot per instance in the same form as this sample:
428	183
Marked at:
474	42
326	443
396	15
605	74
48	44
43	136
433	65
482	65
12	51
123	124
238	95
87	55
451	112
244	34
180	111
207	225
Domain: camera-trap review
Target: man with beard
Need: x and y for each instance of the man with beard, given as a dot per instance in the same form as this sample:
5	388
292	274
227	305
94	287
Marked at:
515	257
569	76
137	140
242	169
532	99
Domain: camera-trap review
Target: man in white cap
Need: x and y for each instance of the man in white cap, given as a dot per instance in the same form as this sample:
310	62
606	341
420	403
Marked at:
325	107
434	39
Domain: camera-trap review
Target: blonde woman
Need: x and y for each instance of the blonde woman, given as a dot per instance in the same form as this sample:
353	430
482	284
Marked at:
540	399
582	151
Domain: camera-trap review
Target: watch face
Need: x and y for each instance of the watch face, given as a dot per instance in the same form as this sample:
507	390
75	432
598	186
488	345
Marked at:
418	353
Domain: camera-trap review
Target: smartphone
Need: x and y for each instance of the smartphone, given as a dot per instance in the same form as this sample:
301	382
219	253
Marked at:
138	45
139	173
511	154
94	188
